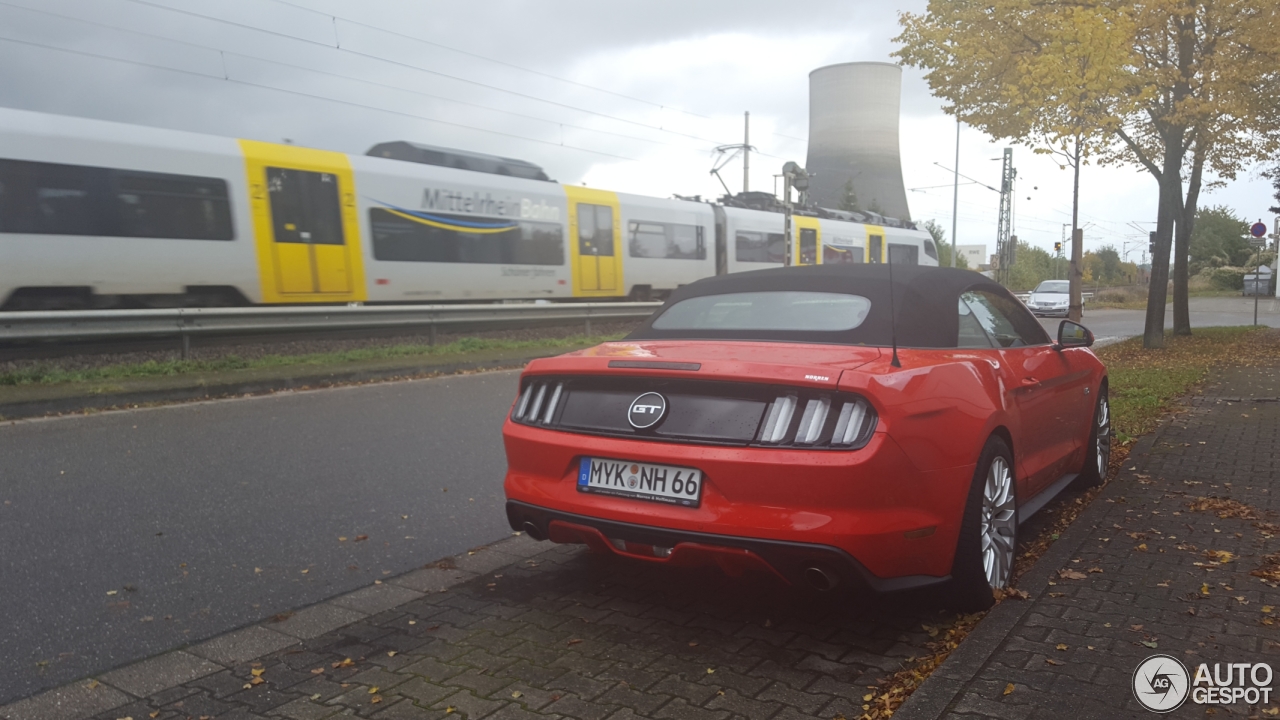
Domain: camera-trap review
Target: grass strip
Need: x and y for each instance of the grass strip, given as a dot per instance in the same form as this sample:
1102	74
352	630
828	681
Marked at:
1145	382
53	375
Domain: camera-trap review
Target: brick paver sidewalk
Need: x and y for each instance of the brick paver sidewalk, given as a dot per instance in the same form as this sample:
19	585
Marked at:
524	631
1155	579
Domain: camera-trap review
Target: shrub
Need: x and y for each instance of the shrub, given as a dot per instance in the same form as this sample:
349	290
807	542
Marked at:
1121	295
1224	278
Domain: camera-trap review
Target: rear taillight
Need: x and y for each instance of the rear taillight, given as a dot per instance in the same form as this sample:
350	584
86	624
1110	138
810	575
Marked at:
777	421
837	420
538	403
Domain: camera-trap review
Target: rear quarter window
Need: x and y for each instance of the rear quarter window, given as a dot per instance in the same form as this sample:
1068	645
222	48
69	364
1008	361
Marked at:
767	311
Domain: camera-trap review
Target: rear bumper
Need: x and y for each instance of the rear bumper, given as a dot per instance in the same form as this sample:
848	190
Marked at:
872	504
792	562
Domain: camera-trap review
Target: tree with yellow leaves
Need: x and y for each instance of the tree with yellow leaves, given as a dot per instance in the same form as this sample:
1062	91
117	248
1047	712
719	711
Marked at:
1047	80
1155	84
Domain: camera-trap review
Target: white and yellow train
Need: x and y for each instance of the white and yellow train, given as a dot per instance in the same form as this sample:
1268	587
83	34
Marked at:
102	214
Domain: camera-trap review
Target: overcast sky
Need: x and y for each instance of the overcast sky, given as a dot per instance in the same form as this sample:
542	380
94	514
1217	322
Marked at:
629	95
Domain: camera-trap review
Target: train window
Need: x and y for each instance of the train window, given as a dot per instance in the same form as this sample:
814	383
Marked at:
900	254
55	199
808	246
400	236
305	206
595	230
666	240
930	249
835	255
759	247
876	247
173	206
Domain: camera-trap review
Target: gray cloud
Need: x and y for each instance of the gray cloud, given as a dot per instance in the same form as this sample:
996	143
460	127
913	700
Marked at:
712	58
564	38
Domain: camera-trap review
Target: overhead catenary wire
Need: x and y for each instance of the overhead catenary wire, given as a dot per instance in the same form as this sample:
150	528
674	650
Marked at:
1047	233
515	93
139	63
374	83
1022	217
504	63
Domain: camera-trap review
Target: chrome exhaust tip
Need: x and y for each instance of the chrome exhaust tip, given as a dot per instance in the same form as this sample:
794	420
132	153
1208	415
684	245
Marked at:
533	530
820	579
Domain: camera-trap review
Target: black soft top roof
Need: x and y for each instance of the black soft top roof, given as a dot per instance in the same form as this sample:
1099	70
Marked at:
925	300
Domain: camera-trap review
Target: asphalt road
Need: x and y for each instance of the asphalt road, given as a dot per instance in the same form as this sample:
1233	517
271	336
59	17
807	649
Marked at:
128	533
1110	325
125	534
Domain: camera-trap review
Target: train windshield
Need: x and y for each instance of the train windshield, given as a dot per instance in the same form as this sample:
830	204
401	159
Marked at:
1053	286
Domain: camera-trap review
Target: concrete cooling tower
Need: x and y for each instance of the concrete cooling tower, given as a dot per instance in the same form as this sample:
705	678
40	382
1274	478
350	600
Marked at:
853	136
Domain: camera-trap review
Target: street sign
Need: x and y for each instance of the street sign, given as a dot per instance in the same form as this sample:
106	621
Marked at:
1259	230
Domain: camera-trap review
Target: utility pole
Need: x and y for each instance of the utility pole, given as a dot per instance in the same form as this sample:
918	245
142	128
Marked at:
955	192
1004	228
1057	261
792	176
729	152
1275	264
786	215
1257	273
1076	308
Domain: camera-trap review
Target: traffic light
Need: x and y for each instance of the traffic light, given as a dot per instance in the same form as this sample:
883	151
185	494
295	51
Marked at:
1151	244
1057	247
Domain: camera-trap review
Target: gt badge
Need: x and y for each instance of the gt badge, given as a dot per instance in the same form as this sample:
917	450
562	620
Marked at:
647	410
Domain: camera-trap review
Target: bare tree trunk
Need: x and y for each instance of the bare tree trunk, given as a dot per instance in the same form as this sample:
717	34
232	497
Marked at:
1172	176
1076	309
1182	247
1170	196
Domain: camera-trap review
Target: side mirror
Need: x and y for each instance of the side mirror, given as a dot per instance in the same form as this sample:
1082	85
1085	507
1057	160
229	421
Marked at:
1073	335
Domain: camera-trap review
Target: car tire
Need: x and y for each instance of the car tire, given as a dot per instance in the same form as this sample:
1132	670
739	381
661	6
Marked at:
988	541
1098	451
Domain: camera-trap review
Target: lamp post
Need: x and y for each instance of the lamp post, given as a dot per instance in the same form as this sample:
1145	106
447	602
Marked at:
955	193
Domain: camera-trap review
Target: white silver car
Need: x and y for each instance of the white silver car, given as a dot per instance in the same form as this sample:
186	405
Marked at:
1051	297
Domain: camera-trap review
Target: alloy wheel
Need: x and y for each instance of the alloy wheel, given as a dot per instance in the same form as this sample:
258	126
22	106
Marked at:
1103	436
999	523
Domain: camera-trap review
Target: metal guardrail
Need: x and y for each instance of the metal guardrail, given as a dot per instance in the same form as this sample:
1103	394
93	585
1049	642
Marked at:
187	322
1024	297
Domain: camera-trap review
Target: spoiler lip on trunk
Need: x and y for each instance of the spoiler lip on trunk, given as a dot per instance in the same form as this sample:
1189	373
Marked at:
817	366
655	365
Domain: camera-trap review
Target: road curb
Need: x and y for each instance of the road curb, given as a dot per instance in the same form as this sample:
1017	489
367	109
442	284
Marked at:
942	689
211	391
100	692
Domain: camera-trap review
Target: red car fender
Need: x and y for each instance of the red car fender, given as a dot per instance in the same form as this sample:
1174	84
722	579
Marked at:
940	406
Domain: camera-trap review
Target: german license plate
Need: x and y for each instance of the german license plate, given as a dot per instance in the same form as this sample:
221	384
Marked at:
643	481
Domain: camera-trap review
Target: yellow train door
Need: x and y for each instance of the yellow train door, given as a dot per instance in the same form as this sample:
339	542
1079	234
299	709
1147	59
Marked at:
595	241
808	240
875	244
305	224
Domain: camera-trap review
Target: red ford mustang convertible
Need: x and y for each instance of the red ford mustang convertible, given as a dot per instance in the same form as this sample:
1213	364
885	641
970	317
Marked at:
828	425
